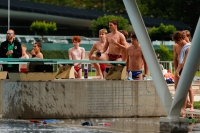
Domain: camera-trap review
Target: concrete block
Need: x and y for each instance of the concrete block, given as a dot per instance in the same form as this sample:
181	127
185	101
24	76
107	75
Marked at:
80	99
12	100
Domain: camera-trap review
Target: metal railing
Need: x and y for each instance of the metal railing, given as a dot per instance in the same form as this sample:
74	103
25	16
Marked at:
168	65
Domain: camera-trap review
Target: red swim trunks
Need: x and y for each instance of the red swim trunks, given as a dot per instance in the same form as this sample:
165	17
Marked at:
102	66
77	68
113	57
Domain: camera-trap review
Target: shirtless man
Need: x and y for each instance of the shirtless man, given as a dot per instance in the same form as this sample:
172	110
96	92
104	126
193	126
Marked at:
177	51
135	59
36	50
179	38
25	56
77	53
98	46
115	41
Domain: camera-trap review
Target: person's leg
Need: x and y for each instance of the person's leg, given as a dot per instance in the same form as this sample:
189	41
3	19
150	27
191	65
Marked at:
176	79
79	74
97	66
184	108
191	96
140	76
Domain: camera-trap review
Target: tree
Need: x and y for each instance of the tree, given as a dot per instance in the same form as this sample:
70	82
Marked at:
162	32
185	11
116	6
164	53
42	27
102	22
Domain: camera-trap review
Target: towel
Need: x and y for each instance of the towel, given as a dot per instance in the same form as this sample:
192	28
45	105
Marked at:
182	55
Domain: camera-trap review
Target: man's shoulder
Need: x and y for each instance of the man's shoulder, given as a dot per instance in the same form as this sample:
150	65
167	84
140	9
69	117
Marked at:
82	48
129	47
17	42
109	34
70	49
96	43
4	42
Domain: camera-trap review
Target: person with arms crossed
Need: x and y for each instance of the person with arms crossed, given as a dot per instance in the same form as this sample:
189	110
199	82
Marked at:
77	53
135	59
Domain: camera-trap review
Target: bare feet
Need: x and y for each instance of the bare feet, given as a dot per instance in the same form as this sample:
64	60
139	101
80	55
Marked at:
192	108
98	77
183	112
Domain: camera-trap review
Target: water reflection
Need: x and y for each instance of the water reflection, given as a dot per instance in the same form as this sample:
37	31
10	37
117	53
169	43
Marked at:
128	125
117	125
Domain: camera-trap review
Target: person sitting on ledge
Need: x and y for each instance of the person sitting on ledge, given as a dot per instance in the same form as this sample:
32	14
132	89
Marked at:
77	53
135	59
98	46
36	52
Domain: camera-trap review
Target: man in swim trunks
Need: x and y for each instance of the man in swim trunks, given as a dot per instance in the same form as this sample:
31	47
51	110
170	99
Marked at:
115	42
77	53
98	46
181	39
135	59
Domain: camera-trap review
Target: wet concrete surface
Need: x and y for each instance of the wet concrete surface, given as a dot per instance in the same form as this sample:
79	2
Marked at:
114	125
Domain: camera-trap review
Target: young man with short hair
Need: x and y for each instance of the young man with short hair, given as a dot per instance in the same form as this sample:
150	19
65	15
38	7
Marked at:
77	53
115	43
98	46
135	59
36	52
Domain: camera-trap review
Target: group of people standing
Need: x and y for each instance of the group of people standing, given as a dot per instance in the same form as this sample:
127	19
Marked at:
11	48
111	47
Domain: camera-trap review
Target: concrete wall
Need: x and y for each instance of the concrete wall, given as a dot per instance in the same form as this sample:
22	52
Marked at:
80	99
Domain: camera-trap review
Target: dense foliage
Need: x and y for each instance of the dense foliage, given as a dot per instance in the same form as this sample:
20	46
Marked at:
42	27
102	22
185	11
162	32
164	53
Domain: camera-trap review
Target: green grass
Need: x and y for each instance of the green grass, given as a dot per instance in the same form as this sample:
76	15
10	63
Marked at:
90	73
197	105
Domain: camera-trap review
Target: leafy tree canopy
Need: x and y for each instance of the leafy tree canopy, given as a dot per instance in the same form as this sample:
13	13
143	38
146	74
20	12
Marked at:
162	32
164	53
102	22
185	11
42	27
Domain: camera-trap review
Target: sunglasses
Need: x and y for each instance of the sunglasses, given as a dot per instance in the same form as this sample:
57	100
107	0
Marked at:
8	34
